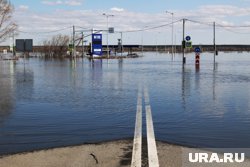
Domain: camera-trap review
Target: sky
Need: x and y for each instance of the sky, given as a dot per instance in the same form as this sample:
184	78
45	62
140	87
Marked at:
40	20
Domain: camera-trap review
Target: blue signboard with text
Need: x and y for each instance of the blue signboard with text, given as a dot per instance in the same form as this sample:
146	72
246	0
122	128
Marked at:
97	44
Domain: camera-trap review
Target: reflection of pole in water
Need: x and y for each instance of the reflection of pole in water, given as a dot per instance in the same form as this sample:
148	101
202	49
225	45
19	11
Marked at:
24	69
96	73
197	67
96	64
120	73
214	45
185	84
183	88
214	80
73	70
120	64
107	63
6	90
73	63
197	76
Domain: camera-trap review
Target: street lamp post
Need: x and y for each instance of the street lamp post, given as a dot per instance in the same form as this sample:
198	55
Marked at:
142	46
172	31
107	16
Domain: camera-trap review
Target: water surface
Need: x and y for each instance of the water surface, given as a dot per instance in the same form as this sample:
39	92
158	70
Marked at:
51	103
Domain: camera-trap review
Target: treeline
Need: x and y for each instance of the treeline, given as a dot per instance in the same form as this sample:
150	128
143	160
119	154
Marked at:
56	47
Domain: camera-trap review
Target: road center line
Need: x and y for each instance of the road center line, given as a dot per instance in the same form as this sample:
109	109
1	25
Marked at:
137	146
152	150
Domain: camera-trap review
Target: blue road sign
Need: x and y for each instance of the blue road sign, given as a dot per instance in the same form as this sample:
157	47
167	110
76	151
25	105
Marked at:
197	50
97	44
188	38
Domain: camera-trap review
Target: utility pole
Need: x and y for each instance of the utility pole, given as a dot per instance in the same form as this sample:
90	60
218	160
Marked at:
172	32
107	15
107	36
142	43
174	44
214	44
82	45
121	45
183	44
13	43
156	43
74	33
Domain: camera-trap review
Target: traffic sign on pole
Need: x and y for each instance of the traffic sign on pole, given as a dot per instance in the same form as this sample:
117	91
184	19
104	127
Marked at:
197	56
189	44
197	50
188	38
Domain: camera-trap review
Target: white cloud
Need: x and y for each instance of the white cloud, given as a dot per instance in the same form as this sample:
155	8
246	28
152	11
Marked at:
52	3
59	2
127	20
224	10
23	7
73	3
116	9
247	23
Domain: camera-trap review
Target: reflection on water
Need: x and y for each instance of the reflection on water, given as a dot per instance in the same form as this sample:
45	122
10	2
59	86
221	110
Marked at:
186	76
6	85
24	81
66	102
14	81
96	73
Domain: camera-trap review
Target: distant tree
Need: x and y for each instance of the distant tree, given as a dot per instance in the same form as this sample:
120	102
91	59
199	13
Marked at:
7	26
57	46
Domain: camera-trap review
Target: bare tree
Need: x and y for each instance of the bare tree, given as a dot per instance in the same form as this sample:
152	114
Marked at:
57	46
7	26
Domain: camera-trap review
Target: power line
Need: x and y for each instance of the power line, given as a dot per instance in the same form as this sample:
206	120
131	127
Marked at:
230	30
220	25
226	27
84	28
151	28
199	22
236	26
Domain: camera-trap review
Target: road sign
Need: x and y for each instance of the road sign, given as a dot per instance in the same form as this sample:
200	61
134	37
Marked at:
197	50
188	44
111	30
97	44
28	45
20	47
188	38
197	56
24	45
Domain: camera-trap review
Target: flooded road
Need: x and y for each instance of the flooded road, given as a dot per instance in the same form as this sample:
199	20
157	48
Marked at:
51	103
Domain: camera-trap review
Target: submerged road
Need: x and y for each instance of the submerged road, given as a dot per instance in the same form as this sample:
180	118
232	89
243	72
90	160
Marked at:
151	144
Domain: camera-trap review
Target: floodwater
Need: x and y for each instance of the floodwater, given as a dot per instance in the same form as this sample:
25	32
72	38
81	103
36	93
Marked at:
51	103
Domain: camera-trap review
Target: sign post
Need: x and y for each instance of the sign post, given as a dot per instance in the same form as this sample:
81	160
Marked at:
96	45
197	57
188	43
24	45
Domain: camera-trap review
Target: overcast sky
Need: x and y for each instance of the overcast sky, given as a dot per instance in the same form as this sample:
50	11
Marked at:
37	16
